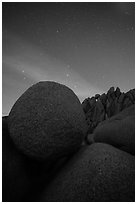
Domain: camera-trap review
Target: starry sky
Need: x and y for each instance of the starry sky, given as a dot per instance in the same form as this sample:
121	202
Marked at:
88	46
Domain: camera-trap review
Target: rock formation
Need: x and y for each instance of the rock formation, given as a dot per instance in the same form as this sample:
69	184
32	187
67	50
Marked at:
44	154
22	177
119	131
47	121
97	173
101	107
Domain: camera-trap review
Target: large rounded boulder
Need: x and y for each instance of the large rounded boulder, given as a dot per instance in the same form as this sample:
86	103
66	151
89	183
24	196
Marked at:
23	178
47	121
97	173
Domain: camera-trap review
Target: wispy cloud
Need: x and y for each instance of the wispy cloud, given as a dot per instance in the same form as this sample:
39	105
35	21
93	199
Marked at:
25	64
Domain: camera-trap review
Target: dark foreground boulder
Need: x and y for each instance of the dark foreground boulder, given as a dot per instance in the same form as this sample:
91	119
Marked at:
15	182
97	173
47	121
23	178
118	131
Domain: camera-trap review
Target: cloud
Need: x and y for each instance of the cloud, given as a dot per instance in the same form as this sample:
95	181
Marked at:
25	64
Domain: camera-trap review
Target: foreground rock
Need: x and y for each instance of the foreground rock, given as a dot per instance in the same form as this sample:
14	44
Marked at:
23	178
97	173
47	121
15	182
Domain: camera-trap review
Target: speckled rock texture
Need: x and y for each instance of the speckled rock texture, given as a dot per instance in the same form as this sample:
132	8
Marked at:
22	177
45	156
118	130
15	182
97	173
102	107
47	121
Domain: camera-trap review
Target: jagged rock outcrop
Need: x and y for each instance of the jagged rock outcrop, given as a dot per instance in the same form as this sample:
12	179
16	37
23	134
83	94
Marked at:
101	107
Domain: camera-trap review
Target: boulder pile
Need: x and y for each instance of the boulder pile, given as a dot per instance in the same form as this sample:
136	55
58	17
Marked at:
101	107
96	173
44	154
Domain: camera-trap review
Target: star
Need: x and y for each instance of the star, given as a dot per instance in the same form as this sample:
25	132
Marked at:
41	53
22	71
127	13
103	77
57	31
40	41
67	75
76	46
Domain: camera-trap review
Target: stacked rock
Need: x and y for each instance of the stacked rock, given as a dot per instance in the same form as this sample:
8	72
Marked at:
101	107
96	173
45	126
43	156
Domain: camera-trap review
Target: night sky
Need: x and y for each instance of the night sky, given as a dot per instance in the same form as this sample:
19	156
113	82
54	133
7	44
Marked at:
87	46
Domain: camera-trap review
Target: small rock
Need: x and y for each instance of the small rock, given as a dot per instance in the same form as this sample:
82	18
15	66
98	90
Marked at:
130	96
117	92
121	98
111	94
92	102
103	99
97	96
127	102
86	105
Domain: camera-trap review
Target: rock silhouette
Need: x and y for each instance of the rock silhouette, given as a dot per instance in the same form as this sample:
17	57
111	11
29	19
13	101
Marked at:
47	121
106	105
57	149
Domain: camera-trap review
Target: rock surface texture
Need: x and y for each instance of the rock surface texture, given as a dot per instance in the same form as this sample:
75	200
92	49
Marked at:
119	130
15	182
97	173
22	177
47	121
101	107
55	149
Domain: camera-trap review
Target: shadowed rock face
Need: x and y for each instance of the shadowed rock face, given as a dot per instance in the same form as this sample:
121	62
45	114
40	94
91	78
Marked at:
15	182
118	131
101	107
47	121
42	155
23	178
97	173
